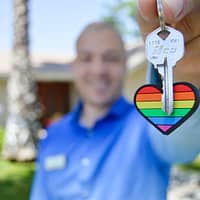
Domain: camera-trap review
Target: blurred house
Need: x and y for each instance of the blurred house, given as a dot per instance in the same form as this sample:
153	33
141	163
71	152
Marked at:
54	80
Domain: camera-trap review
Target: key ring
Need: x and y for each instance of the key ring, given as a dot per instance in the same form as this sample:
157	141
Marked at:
161	14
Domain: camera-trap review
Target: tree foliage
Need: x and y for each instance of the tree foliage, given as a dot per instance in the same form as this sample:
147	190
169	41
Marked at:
120	13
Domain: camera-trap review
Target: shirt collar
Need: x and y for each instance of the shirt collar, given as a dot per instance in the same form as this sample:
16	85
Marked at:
118	108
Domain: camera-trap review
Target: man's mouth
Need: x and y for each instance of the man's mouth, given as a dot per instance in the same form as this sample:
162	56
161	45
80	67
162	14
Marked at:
100	84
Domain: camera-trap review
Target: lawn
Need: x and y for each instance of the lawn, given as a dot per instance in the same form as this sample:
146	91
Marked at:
195	166
15	178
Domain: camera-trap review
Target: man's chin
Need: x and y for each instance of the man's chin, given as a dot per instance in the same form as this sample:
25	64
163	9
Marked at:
101	102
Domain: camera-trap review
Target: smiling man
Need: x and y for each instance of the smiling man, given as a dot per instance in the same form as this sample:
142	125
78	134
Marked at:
103	149
99	70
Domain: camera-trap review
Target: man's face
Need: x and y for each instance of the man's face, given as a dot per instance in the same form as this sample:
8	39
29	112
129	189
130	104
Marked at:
99	67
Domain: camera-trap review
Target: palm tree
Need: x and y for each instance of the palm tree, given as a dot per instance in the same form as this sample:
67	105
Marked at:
23	107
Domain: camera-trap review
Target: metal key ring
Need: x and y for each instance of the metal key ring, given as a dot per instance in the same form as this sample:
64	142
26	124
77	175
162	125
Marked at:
161	14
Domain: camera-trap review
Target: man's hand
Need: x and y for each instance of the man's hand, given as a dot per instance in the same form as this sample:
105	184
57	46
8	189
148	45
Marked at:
184	15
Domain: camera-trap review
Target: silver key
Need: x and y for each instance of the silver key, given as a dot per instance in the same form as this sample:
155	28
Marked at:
172	48
163	49
166	73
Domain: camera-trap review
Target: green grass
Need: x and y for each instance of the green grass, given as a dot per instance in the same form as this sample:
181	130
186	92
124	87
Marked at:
1	137
15	178
194	166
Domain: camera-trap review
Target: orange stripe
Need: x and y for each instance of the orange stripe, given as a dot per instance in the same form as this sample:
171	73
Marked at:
184	96
149	97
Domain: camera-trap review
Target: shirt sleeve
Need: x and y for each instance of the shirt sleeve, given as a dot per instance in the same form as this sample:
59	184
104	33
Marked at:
183	144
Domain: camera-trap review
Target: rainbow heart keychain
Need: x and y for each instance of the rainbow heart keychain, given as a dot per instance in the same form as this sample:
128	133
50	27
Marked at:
148	101
166	108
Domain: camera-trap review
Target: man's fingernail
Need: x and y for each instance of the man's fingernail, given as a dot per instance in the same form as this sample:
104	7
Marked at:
176	6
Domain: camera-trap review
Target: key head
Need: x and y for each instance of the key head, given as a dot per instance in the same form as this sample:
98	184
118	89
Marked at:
170	47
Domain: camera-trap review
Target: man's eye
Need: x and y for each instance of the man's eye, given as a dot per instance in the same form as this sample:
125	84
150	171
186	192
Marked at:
112	58
85	58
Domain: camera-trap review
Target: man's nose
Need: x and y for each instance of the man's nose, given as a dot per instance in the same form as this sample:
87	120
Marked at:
100	67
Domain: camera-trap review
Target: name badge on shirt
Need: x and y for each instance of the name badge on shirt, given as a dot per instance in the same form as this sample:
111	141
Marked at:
55	162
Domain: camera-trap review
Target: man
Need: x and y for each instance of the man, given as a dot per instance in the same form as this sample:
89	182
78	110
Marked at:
104	150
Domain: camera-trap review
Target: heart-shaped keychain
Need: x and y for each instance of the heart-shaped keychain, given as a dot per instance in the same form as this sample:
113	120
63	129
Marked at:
148	102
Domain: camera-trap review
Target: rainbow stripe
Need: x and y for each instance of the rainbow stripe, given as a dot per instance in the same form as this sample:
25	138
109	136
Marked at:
148	102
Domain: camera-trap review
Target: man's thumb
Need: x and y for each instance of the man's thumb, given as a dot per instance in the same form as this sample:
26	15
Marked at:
180	8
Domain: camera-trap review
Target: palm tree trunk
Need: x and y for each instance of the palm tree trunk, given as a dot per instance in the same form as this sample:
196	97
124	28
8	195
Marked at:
23	107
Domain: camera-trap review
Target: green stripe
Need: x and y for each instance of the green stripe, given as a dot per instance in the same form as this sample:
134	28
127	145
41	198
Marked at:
178	112
158	104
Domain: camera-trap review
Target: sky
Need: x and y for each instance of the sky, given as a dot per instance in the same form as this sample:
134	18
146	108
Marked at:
54	24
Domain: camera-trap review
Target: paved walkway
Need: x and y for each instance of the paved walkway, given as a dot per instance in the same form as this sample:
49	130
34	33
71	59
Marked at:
184	185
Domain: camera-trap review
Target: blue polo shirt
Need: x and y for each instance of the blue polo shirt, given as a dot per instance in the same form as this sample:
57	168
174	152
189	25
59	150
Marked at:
114	160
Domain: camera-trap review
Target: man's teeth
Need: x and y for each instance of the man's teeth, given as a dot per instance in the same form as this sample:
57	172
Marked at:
100	83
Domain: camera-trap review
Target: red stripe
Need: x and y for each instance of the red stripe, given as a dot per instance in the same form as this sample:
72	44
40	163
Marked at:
182	88
148	90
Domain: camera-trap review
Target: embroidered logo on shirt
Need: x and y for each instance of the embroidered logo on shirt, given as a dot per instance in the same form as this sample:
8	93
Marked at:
55	162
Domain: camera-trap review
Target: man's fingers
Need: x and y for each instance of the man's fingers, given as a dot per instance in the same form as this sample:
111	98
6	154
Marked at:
190	25
188	68
174	11
148	15
178	9
147	9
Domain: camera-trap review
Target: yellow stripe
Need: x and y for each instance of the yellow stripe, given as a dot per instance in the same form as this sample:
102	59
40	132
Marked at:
184	104
154	104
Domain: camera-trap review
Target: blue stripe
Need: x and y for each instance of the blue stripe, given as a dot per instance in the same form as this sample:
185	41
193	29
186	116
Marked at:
165	120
